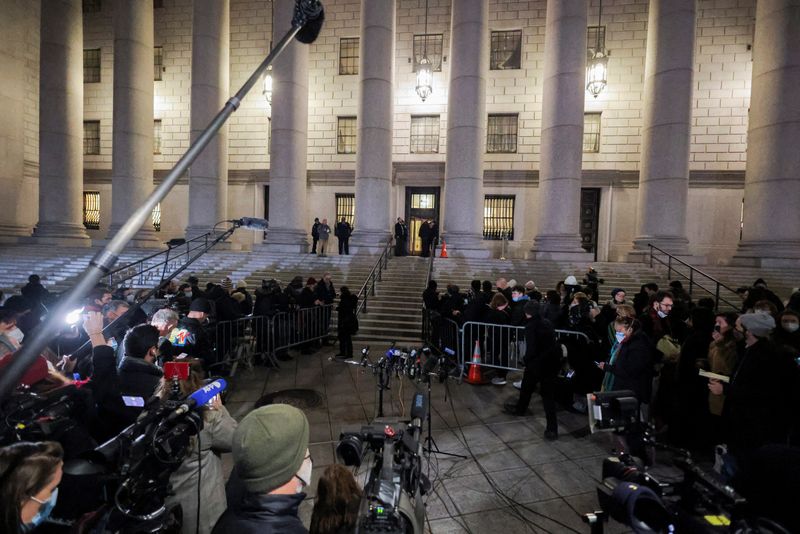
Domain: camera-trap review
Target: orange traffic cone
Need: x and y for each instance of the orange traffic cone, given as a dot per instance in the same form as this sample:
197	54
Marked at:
474	376
444	250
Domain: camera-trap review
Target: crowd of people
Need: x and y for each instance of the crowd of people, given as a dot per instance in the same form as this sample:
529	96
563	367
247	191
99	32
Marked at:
116	352
656	345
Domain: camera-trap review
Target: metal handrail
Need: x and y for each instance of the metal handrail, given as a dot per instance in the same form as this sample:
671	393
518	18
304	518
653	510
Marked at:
375	275
140	268
430	263
691	276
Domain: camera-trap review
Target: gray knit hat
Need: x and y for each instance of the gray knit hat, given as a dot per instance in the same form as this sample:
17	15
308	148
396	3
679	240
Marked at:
759	323
269	446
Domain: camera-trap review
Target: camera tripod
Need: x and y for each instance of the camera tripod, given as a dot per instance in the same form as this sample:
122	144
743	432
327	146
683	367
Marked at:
429	444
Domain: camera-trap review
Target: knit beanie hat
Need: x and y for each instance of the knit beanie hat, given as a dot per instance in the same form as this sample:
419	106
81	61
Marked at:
226	284
241	284
571	281
759	323
269	446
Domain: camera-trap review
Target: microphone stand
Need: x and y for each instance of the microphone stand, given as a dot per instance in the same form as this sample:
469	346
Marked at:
429	445
102	263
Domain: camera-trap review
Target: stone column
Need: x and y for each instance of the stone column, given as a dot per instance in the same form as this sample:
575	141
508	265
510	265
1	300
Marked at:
288	227
375	118
15	23
208	175
132	156
558	235
771	232
466	130
666	129
61	125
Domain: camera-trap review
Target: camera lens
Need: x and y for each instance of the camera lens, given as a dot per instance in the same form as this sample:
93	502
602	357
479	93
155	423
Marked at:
350	449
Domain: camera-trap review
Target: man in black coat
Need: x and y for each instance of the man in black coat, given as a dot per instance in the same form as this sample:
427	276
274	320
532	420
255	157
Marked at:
343	231
314	235
542	360
190	336
138	374
400	237
424	235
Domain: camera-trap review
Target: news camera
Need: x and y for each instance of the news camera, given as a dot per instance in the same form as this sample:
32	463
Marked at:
392	501
30	416
670	493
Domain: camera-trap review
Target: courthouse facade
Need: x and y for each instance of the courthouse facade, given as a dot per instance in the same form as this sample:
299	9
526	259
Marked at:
693	144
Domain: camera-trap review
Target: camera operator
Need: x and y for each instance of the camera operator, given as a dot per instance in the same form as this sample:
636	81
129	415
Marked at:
542	360
202	460
758	399
272	462
29	477
138	374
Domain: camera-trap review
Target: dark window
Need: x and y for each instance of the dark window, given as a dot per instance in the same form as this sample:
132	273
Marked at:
158	63
91	210
346	135
425	134
501	134
157	136
592	34
429	45
506	50
91	137
345	207
591	132
91	65
92	6
348	55
498	217
157	217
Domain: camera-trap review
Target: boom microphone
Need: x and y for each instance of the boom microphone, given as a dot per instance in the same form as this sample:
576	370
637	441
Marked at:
199	398
252	223
310	15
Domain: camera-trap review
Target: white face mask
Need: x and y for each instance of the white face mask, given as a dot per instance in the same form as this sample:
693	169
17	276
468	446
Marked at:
304	474
791	327
662	314
620	336
15	334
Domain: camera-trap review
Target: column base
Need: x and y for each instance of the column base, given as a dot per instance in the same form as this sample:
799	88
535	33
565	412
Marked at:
286	240
67	235
144	238
463	245
11	233
368	241
767	254
559	248
676	246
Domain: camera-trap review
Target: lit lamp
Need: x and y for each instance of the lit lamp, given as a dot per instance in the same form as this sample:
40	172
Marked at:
267	92
424	78
597	73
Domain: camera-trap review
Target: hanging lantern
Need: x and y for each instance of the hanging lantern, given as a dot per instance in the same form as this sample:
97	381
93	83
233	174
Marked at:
424	78
267	92
597	73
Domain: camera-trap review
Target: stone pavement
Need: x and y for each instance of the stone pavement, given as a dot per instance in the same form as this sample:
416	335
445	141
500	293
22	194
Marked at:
552	482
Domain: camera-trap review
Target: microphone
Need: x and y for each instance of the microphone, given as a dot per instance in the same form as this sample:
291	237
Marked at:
199	398
310	15
252	223
419	409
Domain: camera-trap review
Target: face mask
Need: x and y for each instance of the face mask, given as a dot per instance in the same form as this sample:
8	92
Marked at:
129	298
44	510
620	336
516	299
304	474
791	327
661	314
187	294
15	334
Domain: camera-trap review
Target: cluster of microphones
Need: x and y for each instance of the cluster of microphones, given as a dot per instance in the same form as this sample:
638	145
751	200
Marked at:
417	364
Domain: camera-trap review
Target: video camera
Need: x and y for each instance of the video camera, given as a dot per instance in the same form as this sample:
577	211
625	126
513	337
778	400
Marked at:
392	500
670	495
132	470
29	416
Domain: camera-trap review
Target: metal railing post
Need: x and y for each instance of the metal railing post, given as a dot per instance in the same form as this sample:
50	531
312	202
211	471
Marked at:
366	298
691	280
716	296
651	255
669	266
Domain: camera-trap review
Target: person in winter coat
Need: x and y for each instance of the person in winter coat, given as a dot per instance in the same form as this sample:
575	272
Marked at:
787	332
315	235
337	503
245	306
347	322
343	231
202	466
324	233
430	297
632	369
138	374
272	468
518	301
190	336
424	234
542	361
497	339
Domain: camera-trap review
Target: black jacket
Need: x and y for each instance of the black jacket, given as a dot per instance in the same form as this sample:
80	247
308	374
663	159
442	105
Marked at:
476	307
325	293
431	300
138	378
400	231
343	230
347	321
315	230
263	514
542	350
633	368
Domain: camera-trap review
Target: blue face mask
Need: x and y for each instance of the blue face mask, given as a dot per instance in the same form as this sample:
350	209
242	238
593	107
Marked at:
620	336
45	510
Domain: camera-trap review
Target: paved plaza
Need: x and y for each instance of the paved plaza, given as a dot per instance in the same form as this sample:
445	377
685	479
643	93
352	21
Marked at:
552	483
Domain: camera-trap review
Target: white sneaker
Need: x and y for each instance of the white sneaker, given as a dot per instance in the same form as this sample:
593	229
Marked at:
518	384
497	381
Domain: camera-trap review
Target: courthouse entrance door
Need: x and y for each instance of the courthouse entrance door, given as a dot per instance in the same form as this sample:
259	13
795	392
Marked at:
422	204
590	217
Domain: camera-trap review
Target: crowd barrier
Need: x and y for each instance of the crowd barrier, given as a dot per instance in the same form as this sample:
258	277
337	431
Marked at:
240	341
501	346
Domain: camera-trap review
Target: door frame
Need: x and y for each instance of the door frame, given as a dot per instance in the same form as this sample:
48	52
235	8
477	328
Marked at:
421	190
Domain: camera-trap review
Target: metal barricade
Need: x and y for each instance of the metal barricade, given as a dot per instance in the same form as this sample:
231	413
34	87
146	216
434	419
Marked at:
239	341
297	327
501	346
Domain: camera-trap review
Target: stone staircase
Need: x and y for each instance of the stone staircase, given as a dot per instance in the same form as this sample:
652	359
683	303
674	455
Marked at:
395	312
